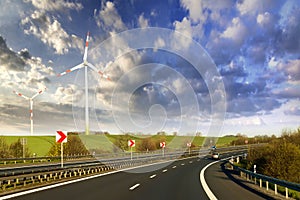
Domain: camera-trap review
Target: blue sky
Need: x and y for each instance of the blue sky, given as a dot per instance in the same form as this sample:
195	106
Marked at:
254	45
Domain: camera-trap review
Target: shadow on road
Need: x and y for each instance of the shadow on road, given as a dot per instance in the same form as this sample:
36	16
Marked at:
230	173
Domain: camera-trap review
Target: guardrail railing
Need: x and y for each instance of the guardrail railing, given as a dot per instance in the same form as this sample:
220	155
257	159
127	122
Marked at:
5	161
265	180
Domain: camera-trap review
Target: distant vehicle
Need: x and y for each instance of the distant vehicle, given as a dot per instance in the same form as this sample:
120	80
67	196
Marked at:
215	155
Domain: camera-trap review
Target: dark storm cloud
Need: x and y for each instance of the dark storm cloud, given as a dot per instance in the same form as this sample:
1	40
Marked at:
9	59
291	31
151	94
24	53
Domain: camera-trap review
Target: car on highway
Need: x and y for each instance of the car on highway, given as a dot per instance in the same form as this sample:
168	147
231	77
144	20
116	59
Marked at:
215	155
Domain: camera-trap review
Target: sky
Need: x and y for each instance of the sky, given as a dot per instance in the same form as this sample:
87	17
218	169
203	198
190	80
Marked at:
216	67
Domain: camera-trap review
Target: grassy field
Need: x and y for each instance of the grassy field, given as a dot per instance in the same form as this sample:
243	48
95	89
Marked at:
40	145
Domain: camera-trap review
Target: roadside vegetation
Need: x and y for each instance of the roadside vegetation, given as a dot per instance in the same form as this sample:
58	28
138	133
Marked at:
280	158
104	142
14	150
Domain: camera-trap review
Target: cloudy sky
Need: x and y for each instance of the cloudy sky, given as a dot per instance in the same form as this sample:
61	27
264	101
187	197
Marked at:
218	67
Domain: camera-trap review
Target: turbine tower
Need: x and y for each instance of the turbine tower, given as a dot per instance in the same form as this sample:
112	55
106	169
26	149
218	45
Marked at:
85	64
31	106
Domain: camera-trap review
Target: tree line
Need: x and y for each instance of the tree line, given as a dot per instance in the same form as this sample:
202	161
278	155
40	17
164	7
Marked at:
280	158
14	150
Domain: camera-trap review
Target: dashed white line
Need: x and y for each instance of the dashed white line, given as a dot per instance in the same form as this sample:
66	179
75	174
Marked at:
174	166
152	176
198	160
191	162
135	186
182	163
165	170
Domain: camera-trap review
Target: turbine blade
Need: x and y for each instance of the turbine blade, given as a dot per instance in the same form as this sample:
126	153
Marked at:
70	70
86	46
21	95
100	72
39	92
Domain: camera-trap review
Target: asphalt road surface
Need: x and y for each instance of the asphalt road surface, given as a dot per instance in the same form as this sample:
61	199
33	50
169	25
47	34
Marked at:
174	180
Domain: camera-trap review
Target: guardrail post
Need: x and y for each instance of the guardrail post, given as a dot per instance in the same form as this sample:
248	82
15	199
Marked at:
260	183
286	193
275	189
267	185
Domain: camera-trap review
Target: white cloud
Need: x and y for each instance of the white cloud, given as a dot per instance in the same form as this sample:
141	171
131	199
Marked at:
184	27
159	43
68	95
245	121
250	6
237	31
109	18
55	5
195	9
50	32
143	23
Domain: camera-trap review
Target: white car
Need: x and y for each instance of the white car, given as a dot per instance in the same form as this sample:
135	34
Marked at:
215	155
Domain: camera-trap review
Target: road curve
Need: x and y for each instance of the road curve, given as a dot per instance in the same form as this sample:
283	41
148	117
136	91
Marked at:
224	186
177	180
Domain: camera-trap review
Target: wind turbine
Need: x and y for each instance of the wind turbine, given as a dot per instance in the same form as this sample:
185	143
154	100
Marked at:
85	64
31	106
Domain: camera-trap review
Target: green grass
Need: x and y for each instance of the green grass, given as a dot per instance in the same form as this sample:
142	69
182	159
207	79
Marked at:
39	145
225	141
42	144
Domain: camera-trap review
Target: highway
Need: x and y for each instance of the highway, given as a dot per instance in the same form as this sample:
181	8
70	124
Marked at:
172	180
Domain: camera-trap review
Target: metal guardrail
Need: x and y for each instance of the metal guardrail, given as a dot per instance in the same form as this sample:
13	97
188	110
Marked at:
267	179
108	155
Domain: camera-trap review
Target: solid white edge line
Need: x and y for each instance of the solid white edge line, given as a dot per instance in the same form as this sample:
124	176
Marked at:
208	192
81	179
152	176
135	186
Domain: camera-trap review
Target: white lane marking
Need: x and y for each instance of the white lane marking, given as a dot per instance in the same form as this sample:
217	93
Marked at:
174	166
81	179
204	184
135	186
198	160
152	176
182	163
191	162
165	170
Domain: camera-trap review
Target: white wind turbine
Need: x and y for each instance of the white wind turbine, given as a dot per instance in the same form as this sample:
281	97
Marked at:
31	106
85	64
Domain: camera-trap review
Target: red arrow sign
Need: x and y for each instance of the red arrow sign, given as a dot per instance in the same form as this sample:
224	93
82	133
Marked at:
61	137
162	144
131	143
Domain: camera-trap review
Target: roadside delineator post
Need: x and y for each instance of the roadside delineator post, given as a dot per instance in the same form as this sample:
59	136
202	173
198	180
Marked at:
163	145
131	143
61	138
